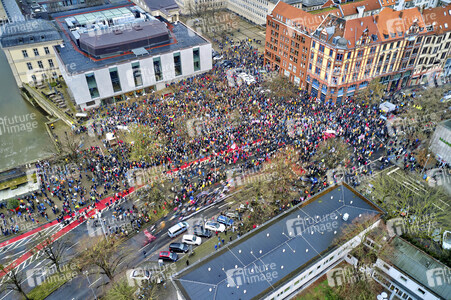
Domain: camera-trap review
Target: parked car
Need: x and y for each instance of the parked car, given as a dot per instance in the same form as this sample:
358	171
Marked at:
168	256
225	220
214	226
178	247
140	274
201	232
191	239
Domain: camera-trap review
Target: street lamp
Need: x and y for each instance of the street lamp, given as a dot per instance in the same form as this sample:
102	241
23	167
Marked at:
425	163
89	282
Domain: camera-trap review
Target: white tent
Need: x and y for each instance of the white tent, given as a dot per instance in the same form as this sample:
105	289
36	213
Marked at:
110	136
387	106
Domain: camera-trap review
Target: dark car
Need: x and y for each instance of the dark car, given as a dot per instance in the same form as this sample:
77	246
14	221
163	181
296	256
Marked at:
202	232
178	247
168	256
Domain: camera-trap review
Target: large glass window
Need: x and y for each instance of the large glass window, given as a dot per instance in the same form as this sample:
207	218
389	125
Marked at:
157	69
92	85
177	64
137	74
114	75
196	59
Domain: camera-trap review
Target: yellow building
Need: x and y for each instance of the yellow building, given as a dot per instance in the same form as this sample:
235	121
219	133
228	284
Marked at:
28	46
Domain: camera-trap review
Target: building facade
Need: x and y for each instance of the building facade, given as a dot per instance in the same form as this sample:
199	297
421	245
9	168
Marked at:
253	10
198	6
345	54
29	48
436	47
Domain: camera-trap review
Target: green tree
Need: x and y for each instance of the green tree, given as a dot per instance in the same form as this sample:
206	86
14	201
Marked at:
13	280
12	204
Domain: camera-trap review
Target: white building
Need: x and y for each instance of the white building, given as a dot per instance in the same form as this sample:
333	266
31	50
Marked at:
294	249
252	10
411	273
113	58
198	6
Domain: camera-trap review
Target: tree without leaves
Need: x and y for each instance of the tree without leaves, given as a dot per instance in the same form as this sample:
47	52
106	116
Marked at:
420	205
103	257
121	290
146	142
12	280
280	87
51	250
372	93
69	146
332	152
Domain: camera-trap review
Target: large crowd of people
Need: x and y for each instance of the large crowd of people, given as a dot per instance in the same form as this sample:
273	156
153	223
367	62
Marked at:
240	126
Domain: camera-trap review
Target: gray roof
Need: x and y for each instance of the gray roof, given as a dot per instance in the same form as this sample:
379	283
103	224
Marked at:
28	32
284	245
181	38
307	3
419	266
164	5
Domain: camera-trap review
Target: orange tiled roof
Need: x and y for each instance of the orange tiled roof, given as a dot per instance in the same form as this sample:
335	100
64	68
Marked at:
394	24
439	18
351	8
357	29
328	4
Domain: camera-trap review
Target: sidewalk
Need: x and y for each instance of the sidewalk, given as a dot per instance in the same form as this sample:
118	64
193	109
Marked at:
99	206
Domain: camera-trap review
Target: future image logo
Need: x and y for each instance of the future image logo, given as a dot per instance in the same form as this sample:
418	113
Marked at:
239	276
348	275
438	277
18	123
396	226
311	225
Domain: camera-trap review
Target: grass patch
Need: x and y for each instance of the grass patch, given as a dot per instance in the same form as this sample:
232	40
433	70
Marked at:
318	291
51	284
322	10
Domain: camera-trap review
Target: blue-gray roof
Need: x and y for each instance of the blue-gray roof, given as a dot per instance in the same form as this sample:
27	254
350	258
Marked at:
420	266
28	32
181	38
12	10
284	245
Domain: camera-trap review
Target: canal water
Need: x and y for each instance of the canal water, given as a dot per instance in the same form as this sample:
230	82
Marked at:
23	136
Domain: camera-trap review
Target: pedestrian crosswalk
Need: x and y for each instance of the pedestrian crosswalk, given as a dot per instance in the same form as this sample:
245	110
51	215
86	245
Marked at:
30	239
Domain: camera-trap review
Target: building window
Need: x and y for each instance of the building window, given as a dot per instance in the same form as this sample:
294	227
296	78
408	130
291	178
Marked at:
25	53
36	52
157	69
40	65
33	77
51	64
339	56
196	59
421	291
92	85
114	75
29	66
137	77
46	50
177	64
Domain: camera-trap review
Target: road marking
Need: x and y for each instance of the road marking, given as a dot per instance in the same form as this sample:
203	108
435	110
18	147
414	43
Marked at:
95	281
72	246
223	205
393	171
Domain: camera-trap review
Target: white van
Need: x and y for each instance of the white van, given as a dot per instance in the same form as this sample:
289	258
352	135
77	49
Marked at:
177	229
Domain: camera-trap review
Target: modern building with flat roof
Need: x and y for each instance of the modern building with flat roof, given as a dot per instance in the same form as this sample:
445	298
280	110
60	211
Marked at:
286	254
122	51
411	273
